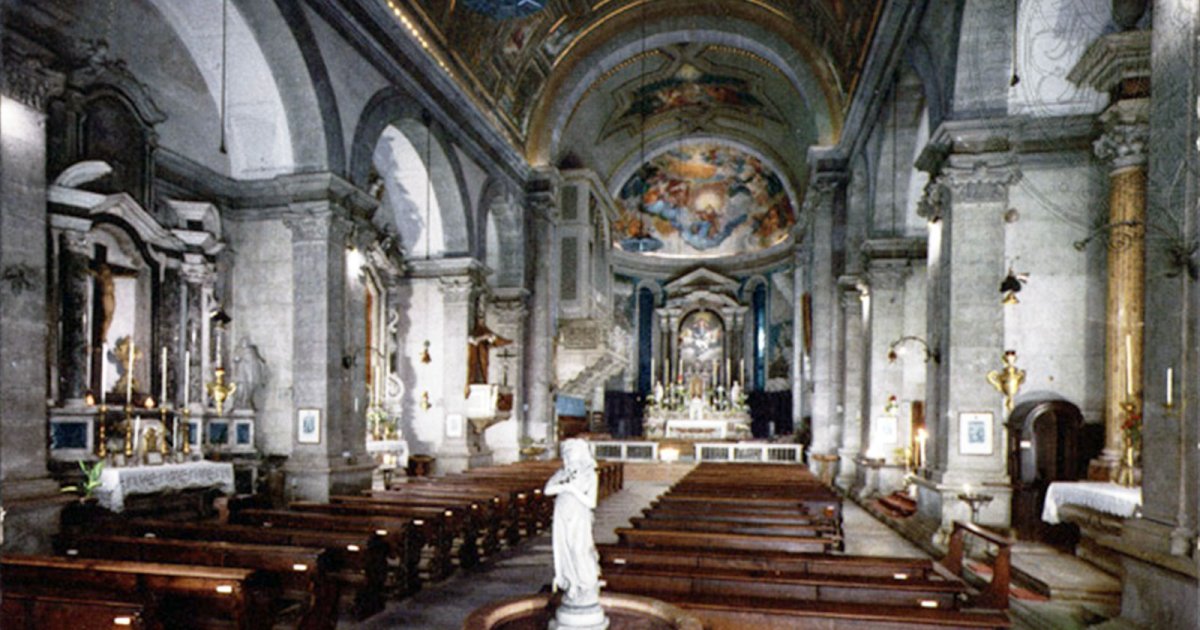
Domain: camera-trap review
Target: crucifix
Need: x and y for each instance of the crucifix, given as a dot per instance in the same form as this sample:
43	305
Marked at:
505	356
104	305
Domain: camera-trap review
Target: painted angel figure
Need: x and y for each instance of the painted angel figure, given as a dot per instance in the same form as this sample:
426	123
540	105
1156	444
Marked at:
576	563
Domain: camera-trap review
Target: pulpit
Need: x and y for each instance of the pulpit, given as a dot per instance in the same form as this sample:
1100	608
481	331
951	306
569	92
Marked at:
488	404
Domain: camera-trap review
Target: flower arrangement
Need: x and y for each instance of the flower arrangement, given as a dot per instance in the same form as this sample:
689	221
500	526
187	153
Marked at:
380	423
1131	429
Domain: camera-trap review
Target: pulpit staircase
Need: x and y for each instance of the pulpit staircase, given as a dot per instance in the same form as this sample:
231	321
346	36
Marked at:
611	359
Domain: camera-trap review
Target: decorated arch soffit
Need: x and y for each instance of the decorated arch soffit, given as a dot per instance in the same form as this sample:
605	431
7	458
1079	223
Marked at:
522	58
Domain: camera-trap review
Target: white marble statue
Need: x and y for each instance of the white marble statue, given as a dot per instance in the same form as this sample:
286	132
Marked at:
658	393
250	374
576	563
735	396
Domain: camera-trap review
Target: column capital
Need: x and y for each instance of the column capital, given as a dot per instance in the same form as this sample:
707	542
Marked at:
318	221
510	306
456	289
29	80
979	178
1126	133
201	273
542	194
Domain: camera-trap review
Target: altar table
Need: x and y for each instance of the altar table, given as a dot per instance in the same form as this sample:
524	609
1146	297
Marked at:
707	428
1102	496
118	483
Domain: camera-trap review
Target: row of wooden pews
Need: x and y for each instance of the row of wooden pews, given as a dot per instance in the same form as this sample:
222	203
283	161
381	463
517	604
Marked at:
260	567
758	546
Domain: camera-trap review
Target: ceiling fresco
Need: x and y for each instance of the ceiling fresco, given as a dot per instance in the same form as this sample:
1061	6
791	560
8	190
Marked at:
702	200
503	51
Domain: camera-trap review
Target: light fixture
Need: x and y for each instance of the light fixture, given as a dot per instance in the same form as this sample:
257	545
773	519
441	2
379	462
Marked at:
930	353
425	358
1011	285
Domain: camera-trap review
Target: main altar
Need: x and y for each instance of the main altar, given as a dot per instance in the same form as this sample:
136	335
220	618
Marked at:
698	413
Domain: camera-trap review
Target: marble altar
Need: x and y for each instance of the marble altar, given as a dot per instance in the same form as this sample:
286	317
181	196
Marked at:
118	483
1101	496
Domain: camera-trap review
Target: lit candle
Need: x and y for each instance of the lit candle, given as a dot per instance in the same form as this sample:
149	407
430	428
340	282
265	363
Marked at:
1129	365
1170	381
187	373
922	436
967	489
129	372
728	373
162	390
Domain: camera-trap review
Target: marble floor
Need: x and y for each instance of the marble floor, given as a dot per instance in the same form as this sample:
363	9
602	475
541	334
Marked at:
527	567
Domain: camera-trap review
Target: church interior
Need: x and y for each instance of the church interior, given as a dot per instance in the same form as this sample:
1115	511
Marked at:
322	276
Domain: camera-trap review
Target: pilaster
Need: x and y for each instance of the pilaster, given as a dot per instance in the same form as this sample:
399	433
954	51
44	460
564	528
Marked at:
543	203
826	198
852	293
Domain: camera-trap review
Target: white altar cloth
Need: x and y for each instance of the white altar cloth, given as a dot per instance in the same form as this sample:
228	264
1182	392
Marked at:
706	428
1101	496
118	483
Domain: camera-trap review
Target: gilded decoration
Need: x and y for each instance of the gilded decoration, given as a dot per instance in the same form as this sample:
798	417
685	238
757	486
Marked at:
506	49
702	200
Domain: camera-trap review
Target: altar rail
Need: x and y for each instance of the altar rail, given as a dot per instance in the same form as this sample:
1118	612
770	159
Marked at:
750	452
625	451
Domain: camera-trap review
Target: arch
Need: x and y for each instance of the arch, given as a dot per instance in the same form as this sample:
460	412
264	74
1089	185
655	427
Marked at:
750	28
291	49
502	244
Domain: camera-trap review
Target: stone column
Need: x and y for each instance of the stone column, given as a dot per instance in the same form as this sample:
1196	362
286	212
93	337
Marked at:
799	284
337	464
460	448
30	497
966	328
826	196
542	197
853	347
507	314
199	278
886	324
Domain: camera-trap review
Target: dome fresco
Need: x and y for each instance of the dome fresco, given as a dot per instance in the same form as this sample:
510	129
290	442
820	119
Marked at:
702	200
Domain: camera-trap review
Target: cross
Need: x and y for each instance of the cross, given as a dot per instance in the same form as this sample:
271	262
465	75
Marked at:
506	355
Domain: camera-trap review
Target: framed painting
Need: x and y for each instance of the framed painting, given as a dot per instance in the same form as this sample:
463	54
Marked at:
308	426
975	433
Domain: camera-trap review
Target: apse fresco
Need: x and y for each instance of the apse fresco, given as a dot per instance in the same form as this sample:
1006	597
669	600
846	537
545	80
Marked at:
702	200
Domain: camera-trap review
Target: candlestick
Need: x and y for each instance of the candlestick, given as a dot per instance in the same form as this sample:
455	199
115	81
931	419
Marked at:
728	373
102	375
651	369
129	372
175	433
137	437
187	377
162	391
1128	365
1170	382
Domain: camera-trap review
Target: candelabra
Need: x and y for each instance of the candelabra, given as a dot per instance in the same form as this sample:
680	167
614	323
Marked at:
187	432
220	390
128	431
1008	379
101	417
975	501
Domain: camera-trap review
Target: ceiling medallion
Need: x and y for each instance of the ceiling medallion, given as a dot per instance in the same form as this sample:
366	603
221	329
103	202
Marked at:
505	9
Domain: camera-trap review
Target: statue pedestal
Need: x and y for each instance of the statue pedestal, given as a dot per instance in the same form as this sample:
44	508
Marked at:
579	618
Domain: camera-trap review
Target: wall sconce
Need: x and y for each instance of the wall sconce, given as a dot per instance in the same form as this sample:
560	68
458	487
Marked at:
930	353
425	358
425	404
1011	285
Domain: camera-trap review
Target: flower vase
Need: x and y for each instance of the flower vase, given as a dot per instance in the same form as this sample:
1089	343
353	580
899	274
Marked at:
1125	476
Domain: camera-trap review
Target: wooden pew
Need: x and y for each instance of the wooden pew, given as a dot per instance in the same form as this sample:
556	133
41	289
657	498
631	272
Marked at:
729	613
471	520
736	527
177	596
726	542
771	563
503	515
404	543
358	562
435	528
22	611
302	572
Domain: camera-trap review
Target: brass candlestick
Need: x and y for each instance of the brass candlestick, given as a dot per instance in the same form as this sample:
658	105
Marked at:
1124	475
102	447
1008	379
220	390
187	432
128	432
162	445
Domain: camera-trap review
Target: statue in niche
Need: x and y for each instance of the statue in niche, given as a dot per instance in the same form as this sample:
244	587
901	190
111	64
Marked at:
576	563
250	375
479	347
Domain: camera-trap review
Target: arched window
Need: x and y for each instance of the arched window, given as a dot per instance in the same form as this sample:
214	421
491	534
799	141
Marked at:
759	302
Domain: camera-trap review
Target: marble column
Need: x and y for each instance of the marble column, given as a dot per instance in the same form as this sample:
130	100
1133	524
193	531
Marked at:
542	198
853	361
1123	148
199	278
507	315
29	496
337	463
74	259
1117	64
826	196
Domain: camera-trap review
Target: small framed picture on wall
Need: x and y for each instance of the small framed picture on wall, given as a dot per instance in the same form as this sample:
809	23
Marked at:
308	426
975	433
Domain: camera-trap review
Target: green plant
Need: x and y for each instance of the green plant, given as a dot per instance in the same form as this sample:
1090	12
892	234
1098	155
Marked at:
91	479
